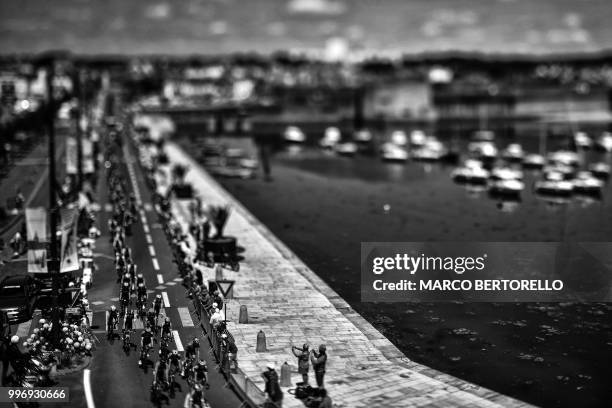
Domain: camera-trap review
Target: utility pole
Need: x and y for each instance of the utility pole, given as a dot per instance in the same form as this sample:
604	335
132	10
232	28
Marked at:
53	264
79	133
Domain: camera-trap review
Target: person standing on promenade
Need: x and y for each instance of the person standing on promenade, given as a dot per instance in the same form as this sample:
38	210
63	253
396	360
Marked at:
303	364
272	389
319	361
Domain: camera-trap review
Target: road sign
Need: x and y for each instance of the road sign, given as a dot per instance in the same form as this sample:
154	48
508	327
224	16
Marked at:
225	286
73	311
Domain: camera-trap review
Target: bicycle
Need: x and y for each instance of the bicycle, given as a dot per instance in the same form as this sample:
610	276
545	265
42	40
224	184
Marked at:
144	355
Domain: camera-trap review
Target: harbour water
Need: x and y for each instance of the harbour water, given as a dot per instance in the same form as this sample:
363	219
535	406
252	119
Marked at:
323	206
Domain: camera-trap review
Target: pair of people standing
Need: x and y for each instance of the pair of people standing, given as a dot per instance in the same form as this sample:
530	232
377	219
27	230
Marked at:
318	360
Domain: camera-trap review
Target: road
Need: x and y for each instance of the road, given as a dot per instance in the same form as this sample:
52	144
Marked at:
115	375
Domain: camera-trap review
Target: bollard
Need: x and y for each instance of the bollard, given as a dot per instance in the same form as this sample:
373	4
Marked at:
243	317
261	342
218	272
285	380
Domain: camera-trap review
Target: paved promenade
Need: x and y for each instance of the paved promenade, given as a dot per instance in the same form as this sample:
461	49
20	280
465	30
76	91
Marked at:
292	305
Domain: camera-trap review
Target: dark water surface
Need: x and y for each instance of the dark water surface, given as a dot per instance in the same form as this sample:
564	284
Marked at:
323	207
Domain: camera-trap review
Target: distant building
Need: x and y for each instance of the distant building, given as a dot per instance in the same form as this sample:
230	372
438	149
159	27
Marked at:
546	100
398	100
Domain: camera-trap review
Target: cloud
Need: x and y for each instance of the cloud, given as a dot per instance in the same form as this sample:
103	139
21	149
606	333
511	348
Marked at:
219	27
160	11
321	7
276	29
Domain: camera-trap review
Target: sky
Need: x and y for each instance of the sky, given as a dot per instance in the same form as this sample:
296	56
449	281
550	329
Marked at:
330	28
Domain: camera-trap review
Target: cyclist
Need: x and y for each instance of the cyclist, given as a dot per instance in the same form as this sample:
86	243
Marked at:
128	323
166	328
160	372
141	292
164	351
127	278
174	359
192	350
200	374
157	304
152	319
146	341
125	296
197	397
112	320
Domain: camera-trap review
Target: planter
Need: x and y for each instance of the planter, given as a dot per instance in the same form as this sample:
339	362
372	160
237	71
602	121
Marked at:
222	248
183	191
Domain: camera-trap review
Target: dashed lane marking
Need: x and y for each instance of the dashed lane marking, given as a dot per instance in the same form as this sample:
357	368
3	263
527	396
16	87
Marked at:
185	316
166	300
177	340
160	278
151	250
170	283
148	238
155	264
145	227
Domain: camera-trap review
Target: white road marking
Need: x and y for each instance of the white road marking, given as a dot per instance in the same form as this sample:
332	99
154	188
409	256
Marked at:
87	388
145	227
160	278
108	207
177	341
155	264
151	250
166	300
148	238
148	207
186	319
106	321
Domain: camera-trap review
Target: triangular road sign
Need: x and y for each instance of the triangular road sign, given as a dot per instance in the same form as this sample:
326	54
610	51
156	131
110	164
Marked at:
225	286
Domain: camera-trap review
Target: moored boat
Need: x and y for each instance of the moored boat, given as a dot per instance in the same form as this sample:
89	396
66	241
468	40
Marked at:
534	161
393	153
471	172
293	134
513	152
604	142
554	183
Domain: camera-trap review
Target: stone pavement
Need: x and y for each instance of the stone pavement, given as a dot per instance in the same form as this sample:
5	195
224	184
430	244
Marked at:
292	306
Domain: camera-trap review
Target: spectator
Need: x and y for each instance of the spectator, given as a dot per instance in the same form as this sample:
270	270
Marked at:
216	318
272	388
303	364
318	364
19	200
217	298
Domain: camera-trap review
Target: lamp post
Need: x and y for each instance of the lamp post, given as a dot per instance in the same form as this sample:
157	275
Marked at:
53	264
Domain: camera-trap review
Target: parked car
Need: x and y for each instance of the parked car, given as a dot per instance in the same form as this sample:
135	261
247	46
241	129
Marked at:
18	295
